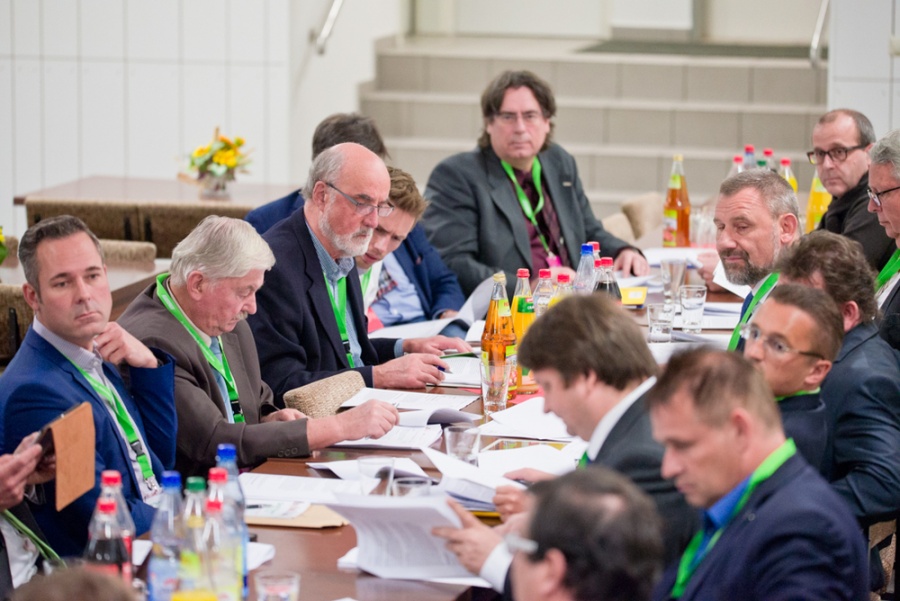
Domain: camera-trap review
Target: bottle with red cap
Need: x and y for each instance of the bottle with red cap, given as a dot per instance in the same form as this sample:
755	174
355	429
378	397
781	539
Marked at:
523	316
563	288
221	552
232	512
769	158
749	157
106	551
787	173
608	284
737	165
543	292
111	488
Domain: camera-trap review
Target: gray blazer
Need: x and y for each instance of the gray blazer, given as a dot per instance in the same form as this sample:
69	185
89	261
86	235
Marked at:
475	221
202	424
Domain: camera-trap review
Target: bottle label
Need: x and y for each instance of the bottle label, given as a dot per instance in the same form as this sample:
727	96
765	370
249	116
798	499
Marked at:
503	308
674	182
524	304
670	227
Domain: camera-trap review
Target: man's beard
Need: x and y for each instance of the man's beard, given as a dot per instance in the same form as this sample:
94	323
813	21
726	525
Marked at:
748	274
350	245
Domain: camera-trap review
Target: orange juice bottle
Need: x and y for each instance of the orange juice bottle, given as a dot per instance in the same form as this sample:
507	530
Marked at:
498	343
677	210
523	316
819	199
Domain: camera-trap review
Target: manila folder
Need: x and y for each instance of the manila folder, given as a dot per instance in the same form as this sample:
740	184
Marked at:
73	441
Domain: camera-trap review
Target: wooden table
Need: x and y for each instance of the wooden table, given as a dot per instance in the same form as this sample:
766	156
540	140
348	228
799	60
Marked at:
145	190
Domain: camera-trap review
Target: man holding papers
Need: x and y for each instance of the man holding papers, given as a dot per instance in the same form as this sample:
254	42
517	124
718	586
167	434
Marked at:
594	366
197	313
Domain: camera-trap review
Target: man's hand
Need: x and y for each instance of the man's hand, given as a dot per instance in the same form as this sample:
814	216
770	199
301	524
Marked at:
472	543
373	419
409	371
45	470
118	346
630	261
435	345
15	470
284	415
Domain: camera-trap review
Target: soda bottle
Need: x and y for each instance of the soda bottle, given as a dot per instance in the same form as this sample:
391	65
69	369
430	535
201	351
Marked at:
167	536
543	292
194	520
221	552
787	173
769	158
737	165
563	288
749	157
596	247
226	458
677	210
111	488
761	164
523	316
584	276
106	551
611	286
819	199
498	343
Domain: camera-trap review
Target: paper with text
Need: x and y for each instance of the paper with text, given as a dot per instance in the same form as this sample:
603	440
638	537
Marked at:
527	420
272	487
399	437
404	399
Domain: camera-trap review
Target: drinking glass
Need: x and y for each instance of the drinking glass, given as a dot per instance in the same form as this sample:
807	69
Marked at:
693	298
672	271
277	585
463	442
495	385
411	486
375	474
660	317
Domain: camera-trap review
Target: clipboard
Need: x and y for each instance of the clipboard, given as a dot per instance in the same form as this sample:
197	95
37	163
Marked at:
73	439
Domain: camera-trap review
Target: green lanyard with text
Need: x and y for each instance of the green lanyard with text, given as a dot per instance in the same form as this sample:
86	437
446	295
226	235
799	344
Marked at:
523	198
340	313
888	271
687	566
763	291
124	421
220	366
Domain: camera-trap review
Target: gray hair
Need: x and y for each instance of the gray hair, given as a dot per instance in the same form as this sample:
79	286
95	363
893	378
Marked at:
220	247
53	228
775	191
326	167
887	151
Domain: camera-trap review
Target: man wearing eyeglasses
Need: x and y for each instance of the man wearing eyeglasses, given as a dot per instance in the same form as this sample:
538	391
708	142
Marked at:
517	200
884	202
310	322
793	340
841	142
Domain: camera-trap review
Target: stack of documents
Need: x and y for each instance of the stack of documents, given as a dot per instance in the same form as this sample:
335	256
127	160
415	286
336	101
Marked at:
411	400
527	420
471	485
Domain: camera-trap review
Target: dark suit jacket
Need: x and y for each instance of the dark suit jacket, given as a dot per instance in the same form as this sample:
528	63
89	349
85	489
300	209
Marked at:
198	399
804	420
263	218
476	223
631	450
862	404
40	384
794	539
294	327
889	328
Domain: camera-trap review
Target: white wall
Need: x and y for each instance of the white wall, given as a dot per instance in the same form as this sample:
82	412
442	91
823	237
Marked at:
569	18
127	87
764	21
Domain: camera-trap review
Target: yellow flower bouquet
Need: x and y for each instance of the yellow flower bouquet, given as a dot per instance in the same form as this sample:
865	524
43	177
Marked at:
217	162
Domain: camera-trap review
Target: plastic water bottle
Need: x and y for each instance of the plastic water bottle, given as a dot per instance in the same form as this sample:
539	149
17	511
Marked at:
232	496
106	550
584	277
737	165
167	535
787	173
221	552
543	292
563	288
769	157
749	157
596	246
194	520
111	488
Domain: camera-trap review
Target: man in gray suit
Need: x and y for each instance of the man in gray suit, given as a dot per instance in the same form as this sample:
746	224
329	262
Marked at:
516	200
196	314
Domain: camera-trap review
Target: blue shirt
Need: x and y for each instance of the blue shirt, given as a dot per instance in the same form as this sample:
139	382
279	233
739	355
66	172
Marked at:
400	303
718	516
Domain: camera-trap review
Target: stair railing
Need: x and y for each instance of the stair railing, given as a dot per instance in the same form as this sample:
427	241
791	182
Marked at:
815	48
321	39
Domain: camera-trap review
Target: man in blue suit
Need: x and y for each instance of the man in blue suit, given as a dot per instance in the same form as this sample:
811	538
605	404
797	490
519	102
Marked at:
772	527
793	340
69	356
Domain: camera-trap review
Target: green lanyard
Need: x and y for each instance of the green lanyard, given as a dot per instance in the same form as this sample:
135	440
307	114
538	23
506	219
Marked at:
523	198
584	461
763	291
124	421
340	313
220	366
687	566
43	548
364	281
778	399
888	271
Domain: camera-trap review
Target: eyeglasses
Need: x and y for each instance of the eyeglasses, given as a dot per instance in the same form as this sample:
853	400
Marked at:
875	197
838	155
530	117
514	543
364	208
752	333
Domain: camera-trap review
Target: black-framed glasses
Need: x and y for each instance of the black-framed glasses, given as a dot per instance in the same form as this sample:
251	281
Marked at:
875	197
838	155
363	208
752	333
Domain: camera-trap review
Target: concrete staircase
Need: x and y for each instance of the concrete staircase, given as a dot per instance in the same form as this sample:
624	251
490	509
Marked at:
621	115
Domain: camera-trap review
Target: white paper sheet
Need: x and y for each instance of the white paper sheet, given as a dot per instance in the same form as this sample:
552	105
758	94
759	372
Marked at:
527	420
537	456
281	510
398	437
272	487
476	331
720	279
411	400
465	372
349	469
451	467
717	308
714	321
654	255
350	561
663	351
435	416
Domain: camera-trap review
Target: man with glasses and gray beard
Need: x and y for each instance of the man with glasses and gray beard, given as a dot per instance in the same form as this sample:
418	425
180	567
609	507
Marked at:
310	323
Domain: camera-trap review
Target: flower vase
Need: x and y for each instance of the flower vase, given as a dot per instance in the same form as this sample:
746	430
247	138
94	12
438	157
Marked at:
214	187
